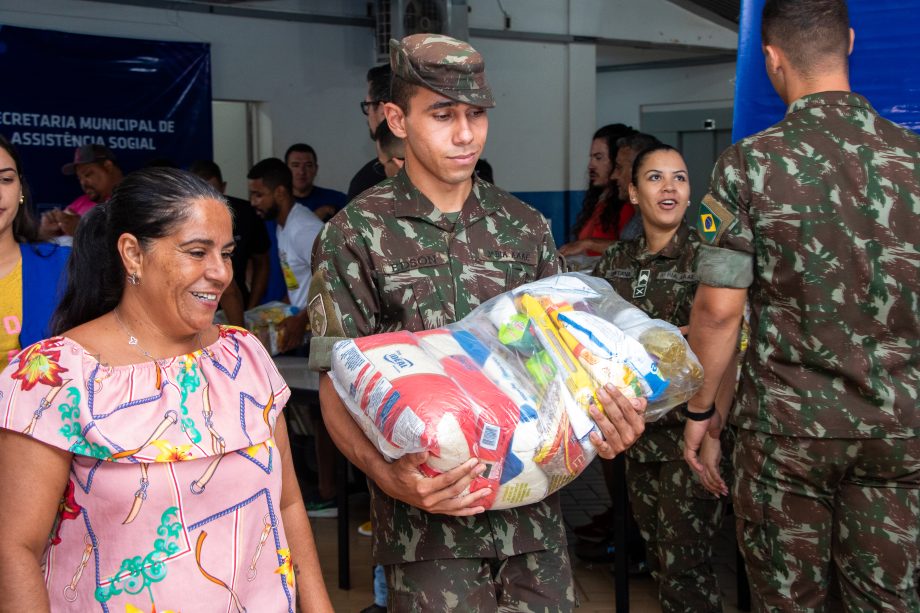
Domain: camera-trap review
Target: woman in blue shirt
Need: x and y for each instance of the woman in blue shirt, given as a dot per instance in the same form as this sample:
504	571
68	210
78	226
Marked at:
30	271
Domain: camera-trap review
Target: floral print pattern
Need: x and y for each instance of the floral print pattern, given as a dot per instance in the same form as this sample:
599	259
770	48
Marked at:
146	485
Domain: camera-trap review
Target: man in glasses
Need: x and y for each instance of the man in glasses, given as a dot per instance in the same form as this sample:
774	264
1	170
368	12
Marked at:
378	93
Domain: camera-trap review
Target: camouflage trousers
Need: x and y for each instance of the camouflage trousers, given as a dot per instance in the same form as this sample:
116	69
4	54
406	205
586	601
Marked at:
678	519
539	581
821	519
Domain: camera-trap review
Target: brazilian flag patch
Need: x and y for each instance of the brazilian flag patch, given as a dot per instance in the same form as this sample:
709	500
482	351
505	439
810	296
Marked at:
714	219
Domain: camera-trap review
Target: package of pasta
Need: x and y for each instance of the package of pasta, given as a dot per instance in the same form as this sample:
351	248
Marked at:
512	383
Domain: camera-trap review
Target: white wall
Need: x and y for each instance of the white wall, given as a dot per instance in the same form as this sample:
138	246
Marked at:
544	93
657	21
621	94
310	77
541	131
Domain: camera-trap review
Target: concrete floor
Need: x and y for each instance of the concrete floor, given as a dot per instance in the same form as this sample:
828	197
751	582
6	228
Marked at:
594	582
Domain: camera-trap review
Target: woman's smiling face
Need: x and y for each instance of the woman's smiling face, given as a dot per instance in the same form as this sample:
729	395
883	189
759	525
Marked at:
183	275
662	190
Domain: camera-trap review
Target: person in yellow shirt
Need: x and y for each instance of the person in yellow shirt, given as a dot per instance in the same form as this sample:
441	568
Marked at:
30	271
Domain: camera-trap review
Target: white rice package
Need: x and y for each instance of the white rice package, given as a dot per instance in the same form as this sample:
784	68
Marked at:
511	384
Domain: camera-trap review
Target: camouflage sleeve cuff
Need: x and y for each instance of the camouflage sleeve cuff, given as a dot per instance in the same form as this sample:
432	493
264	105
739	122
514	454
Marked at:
719	267
321	352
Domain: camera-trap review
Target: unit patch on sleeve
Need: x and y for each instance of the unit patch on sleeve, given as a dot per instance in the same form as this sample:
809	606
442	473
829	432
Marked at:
317	316
714	220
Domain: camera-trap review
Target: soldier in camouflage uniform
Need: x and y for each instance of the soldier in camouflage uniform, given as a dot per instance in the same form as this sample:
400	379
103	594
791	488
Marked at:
656	272
418	251
815	219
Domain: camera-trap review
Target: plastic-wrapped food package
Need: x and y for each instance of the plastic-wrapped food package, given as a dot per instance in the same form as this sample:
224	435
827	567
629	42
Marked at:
263	321
511	384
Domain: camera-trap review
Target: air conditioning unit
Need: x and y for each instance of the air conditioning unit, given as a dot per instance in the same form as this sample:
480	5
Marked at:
399	18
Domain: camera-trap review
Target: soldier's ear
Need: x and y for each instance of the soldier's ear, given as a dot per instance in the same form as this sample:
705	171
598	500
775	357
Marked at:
396	119
852	40
772	59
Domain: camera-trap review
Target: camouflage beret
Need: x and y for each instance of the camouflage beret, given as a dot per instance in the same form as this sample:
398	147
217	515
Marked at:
444	65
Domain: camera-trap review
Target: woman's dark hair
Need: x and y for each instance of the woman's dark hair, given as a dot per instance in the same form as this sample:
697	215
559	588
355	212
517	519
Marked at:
610	134
149	204
640	158
25	229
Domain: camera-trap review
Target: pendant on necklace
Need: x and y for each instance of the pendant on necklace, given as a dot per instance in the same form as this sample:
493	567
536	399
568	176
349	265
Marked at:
132	340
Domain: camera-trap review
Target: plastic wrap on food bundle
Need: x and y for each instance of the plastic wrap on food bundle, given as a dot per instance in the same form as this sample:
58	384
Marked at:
263	321
512	383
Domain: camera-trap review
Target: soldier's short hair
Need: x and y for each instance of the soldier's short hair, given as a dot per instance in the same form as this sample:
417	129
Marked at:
273	172
401	91
809	33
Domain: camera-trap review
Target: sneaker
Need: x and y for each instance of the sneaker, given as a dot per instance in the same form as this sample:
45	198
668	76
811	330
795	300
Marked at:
365	528
322	508
374	608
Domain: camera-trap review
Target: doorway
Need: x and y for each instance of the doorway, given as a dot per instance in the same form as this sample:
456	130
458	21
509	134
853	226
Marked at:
701	133
242	136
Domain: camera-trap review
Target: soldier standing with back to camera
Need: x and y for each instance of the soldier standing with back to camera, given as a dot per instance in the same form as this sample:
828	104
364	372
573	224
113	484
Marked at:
418	251
815	219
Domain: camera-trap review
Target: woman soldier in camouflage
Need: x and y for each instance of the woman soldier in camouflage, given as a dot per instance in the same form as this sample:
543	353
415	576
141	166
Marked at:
655	272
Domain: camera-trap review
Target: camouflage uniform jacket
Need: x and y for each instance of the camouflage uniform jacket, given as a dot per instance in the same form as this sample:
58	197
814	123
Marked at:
818	217
663	285
390	261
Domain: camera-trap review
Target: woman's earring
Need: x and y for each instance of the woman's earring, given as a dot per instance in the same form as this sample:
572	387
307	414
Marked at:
132	279
22	199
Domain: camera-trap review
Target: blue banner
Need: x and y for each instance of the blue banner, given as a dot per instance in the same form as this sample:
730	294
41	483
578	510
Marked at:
143	99
883	66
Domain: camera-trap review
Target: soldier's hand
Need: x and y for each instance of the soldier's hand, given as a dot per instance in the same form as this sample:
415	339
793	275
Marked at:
440	494
694	431
710	456
621	423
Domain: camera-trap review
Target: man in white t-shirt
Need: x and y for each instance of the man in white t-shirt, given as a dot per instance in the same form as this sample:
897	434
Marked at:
271	193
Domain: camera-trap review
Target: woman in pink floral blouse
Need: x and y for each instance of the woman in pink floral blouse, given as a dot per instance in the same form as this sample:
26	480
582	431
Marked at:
143	455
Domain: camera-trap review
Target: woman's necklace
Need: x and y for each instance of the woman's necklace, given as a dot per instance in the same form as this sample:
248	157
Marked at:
132	340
